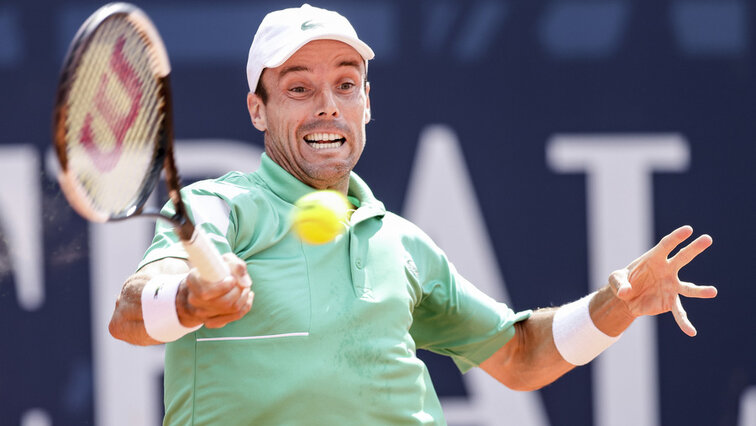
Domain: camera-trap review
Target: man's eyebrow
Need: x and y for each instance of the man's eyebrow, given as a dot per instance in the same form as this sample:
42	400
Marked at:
350	63
294	68
298	68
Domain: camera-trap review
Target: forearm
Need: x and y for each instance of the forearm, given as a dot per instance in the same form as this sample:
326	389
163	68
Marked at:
532	360
127	323
552	341
609	313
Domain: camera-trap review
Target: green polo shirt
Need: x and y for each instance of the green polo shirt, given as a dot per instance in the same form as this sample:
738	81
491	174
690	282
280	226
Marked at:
332	336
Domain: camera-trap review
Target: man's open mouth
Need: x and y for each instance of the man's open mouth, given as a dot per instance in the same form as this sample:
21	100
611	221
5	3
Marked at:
324	140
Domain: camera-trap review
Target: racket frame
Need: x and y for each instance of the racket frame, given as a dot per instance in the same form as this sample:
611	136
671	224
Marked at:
202	253
69	183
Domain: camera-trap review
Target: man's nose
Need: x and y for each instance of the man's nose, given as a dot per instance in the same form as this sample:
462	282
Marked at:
327	106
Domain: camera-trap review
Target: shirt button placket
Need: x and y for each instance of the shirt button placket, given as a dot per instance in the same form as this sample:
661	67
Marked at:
358	264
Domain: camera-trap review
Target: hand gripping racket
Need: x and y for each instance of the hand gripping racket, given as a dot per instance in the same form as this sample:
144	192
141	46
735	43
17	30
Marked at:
113	127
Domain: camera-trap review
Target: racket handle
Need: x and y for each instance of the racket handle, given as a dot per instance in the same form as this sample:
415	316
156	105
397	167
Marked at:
205	257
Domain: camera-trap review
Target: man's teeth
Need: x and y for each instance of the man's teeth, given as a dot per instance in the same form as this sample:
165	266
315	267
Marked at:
322	137
324	140
317	145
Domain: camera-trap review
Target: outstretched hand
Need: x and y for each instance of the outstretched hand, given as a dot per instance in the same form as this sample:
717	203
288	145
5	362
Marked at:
650	285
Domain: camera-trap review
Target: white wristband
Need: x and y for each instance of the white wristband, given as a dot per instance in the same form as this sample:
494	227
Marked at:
159	308
576	337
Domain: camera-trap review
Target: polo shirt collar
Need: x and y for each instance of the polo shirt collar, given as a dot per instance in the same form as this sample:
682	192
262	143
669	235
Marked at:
281	182
290	189
369	205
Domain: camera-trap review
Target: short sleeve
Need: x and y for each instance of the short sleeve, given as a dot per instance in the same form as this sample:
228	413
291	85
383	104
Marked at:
455	318
207	209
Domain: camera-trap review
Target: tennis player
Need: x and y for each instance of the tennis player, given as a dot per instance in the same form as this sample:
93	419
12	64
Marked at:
333	334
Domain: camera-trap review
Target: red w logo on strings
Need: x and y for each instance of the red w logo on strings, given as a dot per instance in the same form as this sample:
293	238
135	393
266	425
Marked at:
119	124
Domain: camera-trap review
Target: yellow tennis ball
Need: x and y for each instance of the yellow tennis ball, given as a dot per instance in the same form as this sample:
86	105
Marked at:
320	216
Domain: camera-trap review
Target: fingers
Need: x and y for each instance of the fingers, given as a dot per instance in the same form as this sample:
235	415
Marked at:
673	239
620	283
655	282
217	304
209	291
233	301
219	321
222	302
681	318
698	291
689	252
202	291
238	269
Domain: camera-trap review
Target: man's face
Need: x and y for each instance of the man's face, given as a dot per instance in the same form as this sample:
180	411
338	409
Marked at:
314	119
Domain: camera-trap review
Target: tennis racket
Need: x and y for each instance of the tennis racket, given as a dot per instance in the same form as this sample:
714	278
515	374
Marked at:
113	129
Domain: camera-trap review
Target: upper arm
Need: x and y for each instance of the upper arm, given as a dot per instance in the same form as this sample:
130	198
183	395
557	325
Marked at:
451	316
458	320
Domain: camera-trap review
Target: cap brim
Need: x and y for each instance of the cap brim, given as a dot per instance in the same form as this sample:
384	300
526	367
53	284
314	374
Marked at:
363	49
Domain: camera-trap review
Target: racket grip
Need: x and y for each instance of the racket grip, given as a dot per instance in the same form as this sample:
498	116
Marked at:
205	257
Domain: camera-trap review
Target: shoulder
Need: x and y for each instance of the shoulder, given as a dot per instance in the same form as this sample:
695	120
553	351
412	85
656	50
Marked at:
405	226
414	239
228	186
224	200
235	189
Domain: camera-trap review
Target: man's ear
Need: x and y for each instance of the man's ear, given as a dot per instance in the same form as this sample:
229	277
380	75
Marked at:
257	112
367	102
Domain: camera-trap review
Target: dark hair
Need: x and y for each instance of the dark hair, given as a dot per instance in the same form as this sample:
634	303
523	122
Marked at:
260	89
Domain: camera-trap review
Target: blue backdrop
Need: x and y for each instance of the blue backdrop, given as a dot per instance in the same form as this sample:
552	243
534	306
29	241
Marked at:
508	78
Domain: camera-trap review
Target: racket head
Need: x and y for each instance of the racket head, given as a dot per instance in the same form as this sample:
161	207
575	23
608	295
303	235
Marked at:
112	123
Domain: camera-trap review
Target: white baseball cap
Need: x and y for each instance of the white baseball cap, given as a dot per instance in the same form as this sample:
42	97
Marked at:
283	32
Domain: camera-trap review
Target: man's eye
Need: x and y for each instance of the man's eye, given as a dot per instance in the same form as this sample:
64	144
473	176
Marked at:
346	86
298	89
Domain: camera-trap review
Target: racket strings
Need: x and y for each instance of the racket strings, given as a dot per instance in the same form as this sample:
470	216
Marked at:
115	111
